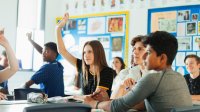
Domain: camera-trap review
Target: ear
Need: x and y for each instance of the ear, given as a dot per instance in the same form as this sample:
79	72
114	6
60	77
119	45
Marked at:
163	58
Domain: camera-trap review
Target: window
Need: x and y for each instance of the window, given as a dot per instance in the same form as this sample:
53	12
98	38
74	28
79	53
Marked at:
30	19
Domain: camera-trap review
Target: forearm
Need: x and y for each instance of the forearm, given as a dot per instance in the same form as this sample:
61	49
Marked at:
36	46
61	47
28	84
12	64
195	97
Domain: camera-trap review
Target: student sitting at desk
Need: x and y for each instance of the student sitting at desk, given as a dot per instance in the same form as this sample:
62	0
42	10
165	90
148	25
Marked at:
95	73
50	75
12	67
161	91
192	63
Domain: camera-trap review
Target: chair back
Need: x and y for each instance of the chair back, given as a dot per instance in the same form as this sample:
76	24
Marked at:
21	93
61	107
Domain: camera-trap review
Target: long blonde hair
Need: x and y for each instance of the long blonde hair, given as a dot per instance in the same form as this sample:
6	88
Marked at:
99	61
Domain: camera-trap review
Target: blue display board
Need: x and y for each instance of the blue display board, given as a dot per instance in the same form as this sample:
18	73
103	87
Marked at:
111	29
184	23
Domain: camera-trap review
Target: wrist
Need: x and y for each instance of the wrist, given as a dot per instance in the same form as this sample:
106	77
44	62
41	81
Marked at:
58	27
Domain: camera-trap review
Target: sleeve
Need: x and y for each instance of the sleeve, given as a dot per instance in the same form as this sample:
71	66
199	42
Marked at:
41	75
142	90
106	78
79	65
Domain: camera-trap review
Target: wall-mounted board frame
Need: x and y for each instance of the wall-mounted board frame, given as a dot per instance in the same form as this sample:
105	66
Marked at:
111	29
184	23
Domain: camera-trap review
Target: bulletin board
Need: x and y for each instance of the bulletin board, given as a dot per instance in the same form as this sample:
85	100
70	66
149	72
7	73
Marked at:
111	29
184	23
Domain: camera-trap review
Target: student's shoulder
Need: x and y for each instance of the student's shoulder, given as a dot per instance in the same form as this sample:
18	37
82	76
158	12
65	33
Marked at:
107	69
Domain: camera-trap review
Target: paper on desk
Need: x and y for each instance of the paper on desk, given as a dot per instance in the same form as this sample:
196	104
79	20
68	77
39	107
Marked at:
6	102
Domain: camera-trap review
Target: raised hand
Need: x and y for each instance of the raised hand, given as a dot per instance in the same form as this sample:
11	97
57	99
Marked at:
3	40
64	20
1	30
29	35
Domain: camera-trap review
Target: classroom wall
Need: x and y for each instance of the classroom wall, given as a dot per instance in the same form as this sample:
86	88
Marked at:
55	8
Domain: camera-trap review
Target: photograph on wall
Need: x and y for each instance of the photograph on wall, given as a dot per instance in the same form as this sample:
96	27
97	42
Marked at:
113	3
85	4
181	29
180	56
191	28
82	24
184	43
96	25
183	15
195	17
115	24
116	43
168	25
196	43
71	25
105	41
163	18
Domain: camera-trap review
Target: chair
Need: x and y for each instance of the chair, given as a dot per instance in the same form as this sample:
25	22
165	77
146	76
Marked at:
61	107
21	93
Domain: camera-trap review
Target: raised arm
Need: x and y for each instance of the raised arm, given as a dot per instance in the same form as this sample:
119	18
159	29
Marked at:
61	47
12	60
35	45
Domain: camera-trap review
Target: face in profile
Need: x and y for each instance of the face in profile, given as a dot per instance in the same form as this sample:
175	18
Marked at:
151	60
88	55
48	54
4	61
138	52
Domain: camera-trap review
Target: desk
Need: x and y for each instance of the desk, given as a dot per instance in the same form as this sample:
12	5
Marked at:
20	107
15	107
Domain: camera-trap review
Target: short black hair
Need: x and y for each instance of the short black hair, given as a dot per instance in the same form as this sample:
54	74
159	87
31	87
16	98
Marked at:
52	46
163	43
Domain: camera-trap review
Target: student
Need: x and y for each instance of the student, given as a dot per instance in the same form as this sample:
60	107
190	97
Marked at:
93	68
161	91
118	64
131	74
12	67
50	75
4	64
192	63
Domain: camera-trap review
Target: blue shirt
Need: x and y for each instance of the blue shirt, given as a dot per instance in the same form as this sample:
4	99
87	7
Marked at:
50	76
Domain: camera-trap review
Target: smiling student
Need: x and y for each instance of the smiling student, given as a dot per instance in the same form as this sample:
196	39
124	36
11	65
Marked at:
192	63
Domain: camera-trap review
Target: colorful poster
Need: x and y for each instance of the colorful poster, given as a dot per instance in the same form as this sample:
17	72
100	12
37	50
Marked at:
96	25
160	18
